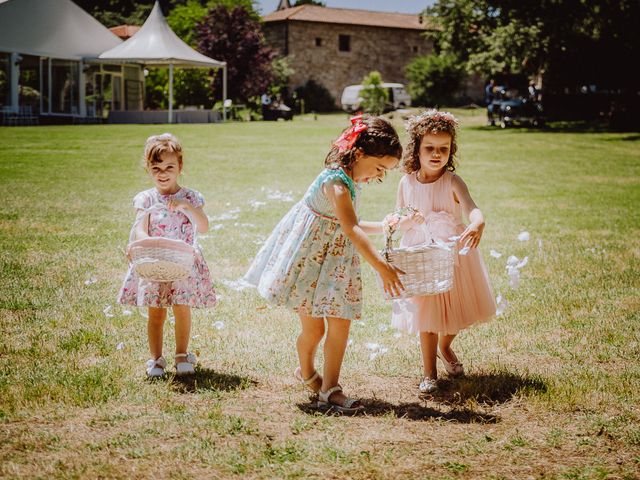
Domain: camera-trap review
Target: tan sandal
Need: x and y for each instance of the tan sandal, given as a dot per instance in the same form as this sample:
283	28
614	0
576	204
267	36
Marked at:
309	381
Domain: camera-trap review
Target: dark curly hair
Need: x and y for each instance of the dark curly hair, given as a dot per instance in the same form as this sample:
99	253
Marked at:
378	140
431	121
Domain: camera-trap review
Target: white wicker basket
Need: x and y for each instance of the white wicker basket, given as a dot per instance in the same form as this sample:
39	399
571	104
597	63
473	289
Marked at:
428	267
159	259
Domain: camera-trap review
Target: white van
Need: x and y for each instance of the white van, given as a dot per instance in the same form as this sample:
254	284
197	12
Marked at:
398	97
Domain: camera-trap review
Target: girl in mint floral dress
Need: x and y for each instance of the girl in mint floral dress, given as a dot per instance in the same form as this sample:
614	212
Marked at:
170	211
310	262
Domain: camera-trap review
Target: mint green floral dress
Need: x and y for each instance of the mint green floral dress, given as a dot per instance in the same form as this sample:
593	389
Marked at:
308	263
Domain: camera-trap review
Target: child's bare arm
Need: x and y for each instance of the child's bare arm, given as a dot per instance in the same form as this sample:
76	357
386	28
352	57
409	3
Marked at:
473	233
141	229
340	198
197	213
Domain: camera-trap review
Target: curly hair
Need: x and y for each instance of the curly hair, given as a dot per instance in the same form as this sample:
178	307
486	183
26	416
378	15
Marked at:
417	126
156	145
378	140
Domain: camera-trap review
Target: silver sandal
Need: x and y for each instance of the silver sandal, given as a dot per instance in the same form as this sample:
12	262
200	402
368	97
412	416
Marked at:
155	367
346	408
185	367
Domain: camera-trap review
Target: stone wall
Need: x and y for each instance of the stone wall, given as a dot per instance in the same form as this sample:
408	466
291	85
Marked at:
387	50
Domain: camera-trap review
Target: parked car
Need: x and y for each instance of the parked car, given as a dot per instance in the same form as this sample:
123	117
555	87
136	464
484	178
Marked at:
398	97
277	110
512	109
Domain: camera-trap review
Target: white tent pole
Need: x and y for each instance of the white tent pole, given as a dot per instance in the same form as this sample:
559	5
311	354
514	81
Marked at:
224	92
171	93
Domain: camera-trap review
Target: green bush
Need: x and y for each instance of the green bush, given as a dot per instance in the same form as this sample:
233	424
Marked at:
374	97
435	79
316	97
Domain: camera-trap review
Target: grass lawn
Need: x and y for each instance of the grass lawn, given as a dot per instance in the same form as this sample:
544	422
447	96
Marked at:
552	387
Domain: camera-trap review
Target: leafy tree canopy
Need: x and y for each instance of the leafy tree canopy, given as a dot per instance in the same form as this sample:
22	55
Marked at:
570	40
235	37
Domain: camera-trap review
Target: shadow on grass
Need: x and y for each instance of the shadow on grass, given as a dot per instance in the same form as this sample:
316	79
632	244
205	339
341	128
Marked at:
207	379
374	407
459	394
486	388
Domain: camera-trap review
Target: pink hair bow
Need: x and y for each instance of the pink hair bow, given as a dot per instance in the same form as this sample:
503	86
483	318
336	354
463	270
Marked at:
350	135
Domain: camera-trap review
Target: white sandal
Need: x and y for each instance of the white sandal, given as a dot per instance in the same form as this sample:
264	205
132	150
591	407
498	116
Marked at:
155	368
307	383
455	369
186	367
346	408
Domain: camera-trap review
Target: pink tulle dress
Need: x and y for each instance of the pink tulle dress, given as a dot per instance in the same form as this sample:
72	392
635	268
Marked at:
471	300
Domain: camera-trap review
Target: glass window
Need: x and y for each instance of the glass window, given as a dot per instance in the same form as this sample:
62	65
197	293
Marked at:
5	79
318	42
344	43
29	81
133	94
65	96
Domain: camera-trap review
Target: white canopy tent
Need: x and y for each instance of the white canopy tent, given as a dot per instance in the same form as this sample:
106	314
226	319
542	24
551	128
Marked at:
155	44
52	32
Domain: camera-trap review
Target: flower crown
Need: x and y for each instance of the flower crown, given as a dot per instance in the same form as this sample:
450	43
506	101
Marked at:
351	134
436	119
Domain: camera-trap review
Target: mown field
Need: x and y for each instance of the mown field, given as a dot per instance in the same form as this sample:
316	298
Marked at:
552	387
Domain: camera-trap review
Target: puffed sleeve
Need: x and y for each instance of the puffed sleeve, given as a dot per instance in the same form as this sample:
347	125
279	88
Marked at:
196	198
141	201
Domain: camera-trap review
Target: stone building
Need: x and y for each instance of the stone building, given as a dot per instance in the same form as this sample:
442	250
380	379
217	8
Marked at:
337	47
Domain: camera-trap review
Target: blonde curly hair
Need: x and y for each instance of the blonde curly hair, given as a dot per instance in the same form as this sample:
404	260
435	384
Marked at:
417	126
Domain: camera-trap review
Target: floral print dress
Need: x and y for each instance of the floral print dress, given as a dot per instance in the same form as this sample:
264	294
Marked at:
308	263
195	290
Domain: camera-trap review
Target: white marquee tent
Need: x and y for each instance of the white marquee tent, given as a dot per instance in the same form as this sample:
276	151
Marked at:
155	44
43	43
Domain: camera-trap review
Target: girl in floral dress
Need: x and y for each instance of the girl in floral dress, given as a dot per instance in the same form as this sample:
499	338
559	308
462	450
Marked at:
171	211
310	262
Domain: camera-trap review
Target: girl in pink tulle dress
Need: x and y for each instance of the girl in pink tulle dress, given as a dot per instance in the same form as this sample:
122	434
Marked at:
442	198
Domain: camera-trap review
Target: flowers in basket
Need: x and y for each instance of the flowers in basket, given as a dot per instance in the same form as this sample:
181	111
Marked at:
391	223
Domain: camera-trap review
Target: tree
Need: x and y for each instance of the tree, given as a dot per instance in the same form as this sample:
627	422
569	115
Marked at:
281	72
492	36
435	79
374	96
233	36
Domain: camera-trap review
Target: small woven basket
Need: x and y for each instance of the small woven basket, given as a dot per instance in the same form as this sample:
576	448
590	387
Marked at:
428	267
159	259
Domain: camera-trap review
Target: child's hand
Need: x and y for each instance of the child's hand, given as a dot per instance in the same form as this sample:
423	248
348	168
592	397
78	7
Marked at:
409	221
127	252
178	205
390	280
472	235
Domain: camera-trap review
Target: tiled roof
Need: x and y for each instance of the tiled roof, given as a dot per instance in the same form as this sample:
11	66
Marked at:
125	31
313	13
